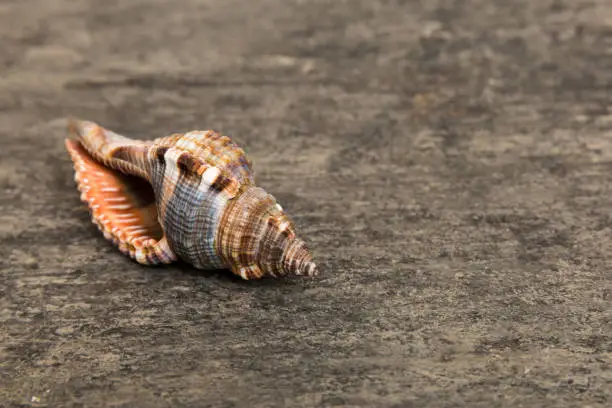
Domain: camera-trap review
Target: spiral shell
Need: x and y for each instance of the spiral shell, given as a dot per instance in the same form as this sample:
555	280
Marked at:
190	196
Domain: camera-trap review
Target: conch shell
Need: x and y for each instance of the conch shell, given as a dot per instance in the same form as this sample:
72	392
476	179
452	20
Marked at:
190	196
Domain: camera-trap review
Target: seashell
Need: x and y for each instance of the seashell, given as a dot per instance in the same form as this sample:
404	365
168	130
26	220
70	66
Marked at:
190	196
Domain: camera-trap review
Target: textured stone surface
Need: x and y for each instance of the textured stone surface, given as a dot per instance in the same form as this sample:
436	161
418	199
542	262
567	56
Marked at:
448	161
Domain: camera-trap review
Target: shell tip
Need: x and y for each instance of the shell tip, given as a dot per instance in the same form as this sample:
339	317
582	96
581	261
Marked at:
310	269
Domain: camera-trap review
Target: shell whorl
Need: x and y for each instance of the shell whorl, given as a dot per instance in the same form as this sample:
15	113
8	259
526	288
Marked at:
210	211
256	238
194	175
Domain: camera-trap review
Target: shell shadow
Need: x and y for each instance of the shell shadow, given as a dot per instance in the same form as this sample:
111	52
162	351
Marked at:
226	276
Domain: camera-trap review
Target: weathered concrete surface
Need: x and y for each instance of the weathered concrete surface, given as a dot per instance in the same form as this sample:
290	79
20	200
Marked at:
448	161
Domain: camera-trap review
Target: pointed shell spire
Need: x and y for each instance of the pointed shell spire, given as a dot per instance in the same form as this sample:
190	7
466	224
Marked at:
190	196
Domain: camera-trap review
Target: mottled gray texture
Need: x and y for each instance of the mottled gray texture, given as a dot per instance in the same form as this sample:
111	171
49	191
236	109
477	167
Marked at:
448	161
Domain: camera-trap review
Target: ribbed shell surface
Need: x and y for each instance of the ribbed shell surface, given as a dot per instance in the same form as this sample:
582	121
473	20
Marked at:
190	196
194	175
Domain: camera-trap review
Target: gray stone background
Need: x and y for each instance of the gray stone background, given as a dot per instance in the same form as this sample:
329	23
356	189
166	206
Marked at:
449	162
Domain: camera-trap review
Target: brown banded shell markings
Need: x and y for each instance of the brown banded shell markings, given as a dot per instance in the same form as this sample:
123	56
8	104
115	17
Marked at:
190	196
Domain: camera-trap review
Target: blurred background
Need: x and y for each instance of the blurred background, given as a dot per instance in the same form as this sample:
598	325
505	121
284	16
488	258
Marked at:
448	161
